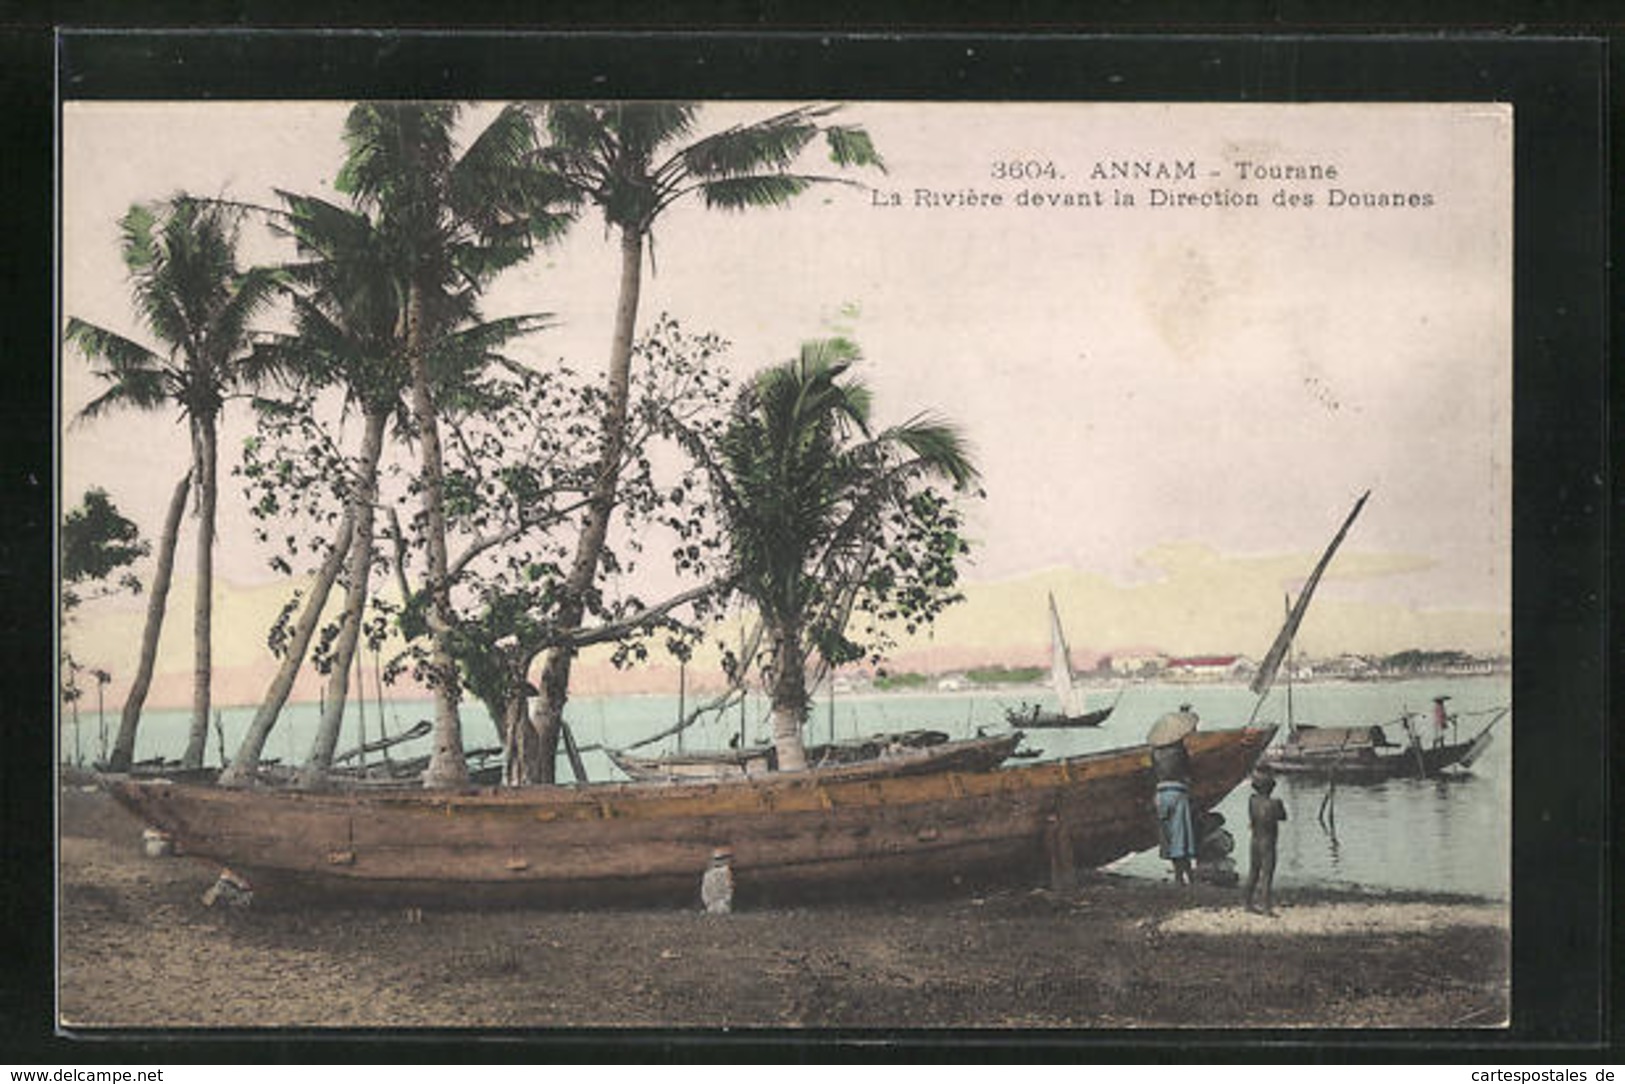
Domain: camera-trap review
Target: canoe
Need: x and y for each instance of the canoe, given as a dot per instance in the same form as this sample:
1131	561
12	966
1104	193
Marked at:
901	754
1044	721
794	836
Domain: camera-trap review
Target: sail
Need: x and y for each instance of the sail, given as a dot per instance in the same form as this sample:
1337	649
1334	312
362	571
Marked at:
1283	641
1060	664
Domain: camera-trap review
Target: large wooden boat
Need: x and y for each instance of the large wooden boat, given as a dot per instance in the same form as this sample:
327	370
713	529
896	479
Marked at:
793	835
907	753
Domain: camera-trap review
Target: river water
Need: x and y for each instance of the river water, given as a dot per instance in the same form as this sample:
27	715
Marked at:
1450	835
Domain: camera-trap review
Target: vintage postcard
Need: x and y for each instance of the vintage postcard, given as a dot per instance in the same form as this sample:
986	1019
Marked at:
758	564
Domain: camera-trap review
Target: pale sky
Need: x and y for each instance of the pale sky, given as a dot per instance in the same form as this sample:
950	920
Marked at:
1136	381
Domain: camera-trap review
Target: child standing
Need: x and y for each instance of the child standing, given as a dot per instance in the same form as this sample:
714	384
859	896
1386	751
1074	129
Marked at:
1264	816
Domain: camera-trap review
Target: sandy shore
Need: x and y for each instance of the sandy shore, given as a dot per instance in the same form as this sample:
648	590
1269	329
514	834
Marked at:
139	951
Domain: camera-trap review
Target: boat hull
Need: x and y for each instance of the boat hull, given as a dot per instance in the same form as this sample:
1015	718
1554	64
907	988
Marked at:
793	837
967	755
1057	722
1369	766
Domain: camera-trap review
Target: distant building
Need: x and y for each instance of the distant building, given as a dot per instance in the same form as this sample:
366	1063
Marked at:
1131	664
1209	667
1348	666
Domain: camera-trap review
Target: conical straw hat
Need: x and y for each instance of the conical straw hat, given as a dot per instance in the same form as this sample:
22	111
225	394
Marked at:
1171	727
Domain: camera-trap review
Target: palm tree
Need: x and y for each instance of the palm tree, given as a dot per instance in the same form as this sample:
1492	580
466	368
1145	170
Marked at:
629	159
807	492
349	333
449	222
196	301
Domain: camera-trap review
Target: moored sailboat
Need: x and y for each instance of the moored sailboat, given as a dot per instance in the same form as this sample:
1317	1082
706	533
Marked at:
1355	754
1073	711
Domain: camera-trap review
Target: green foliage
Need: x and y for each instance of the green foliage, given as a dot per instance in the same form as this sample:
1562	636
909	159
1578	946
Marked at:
517	470
826	517
1006	675
196	301
901	682
615	155
1418	660
98	541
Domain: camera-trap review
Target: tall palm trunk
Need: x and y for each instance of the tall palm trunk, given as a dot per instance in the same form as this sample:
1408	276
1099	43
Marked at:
555	677
788	697
362	502
206	440
247	761
157	603
447	766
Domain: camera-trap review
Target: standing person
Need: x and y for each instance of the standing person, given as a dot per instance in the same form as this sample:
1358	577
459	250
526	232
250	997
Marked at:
1171	768
1264	816
1441	720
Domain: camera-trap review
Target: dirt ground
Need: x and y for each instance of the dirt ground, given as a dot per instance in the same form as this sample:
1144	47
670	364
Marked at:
139	951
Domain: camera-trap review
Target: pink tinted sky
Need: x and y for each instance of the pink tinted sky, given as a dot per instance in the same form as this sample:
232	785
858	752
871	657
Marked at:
1130	378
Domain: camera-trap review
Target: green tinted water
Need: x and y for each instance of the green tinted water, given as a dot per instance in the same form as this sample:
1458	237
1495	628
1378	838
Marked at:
1438	835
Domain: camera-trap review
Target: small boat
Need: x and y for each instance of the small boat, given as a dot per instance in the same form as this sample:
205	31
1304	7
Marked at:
1064	680
793	835
1366	754
907	753
1354	754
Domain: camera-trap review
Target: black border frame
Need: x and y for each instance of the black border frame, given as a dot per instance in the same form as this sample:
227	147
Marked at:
1563	914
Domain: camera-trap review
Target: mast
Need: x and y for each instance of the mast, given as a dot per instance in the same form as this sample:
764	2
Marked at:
1060	663
1291	727
1283	640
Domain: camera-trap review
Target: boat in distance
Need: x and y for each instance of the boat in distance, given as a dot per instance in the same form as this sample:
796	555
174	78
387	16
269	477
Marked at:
1365	754
907	753
1064	680
793	835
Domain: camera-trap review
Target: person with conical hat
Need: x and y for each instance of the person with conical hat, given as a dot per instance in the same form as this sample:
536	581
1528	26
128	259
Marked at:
1171	768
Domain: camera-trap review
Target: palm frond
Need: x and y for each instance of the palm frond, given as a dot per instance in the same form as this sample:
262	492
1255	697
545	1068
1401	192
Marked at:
397	152
756	190
146	389
487	186
123	356
251	293
851	146
937	446
644	127
771	145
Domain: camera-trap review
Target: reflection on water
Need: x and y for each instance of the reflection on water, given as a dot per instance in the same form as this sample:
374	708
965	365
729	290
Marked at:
1448	835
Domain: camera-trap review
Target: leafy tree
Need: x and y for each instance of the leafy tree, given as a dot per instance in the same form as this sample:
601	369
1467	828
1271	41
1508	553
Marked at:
827	517
96	542
192	296
633	160
97	547
519	471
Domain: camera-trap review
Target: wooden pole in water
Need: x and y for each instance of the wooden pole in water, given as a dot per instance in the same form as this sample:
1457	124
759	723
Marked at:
361	708
573	752
831	680
378	684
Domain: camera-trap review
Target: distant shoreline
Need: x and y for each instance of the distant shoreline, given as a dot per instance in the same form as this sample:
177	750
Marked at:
1029	690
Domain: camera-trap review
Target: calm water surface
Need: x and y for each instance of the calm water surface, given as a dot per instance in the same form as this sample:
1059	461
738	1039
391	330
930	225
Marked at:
1440	835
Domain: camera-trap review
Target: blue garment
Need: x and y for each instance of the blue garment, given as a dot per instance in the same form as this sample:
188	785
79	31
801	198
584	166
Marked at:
1174	817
